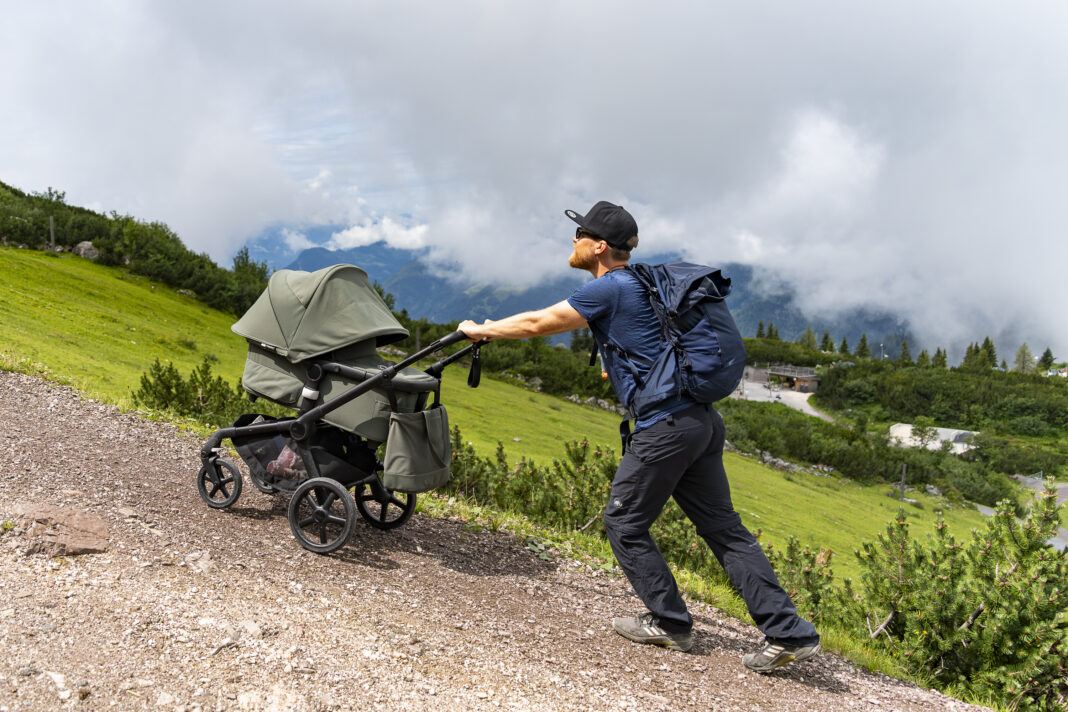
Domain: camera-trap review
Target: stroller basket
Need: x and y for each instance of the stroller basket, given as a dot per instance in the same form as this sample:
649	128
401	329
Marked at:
276	461
261	452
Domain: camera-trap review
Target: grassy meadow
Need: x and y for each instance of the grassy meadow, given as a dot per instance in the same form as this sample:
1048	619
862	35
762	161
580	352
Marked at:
99	328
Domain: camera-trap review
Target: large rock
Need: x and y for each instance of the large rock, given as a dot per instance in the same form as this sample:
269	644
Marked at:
60	531
85	249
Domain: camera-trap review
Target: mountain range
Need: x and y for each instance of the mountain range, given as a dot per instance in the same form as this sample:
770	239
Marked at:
425	293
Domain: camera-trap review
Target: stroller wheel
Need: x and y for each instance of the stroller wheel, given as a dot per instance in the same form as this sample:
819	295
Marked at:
383	508
219	483
322	515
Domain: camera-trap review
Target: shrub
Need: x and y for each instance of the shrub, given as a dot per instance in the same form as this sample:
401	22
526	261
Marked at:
1030	425
570	494
986	617
203	396
1010	457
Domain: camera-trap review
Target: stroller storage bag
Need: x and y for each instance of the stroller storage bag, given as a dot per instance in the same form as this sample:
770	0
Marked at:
261	452
418	450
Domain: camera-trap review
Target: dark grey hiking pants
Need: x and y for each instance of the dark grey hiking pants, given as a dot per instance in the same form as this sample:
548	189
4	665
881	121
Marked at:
682	457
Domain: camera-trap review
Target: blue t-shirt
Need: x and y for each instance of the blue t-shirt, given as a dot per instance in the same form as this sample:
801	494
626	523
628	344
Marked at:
618	312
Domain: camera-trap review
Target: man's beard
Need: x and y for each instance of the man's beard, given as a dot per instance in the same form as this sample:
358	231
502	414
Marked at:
587	259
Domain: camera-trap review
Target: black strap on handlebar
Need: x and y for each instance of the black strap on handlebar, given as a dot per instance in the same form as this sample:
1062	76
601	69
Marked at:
474	376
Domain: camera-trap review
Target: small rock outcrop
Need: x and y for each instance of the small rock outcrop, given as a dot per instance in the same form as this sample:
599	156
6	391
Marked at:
61	531
85	249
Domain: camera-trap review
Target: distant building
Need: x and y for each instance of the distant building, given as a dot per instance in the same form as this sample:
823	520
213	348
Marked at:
797	378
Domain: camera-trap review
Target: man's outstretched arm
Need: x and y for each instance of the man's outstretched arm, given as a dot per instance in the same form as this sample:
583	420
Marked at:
556	319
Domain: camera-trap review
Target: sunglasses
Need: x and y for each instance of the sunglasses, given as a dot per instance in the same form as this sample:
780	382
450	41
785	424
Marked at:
582	232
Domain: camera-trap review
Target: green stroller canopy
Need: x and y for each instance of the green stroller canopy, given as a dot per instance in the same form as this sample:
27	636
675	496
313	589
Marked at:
306	314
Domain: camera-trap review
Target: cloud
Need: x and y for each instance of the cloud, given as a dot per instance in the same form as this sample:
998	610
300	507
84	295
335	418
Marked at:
893	155
296	241
394	234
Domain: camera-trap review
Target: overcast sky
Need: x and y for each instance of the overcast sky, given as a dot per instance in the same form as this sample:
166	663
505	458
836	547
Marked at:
904	155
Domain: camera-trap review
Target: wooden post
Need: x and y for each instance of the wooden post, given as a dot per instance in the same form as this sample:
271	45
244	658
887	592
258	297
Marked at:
52	230
904	465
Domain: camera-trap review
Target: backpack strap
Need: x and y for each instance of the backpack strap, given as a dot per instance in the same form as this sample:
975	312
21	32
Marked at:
663	316
628	360
624	358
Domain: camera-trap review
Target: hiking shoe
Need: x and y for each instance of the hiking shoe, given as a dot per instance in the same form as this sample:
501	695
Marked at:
642	629
774	655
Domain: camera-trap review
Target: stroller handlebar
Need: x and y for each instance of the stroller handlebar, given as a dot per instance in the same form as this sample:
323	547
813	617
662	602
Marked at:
450	339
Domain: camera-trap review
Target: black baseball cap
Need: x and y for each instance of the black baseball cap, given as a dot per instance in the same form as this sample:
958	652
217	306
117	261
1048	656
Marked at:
609	222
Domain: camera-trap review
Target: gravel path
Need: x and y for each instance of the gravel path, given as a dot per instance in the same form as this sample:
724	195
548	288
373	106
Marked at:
197	609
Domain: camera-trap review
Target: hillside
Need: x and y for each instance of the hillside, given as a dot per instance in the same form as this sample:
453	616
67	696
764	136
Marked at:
823	512
151	249
99	328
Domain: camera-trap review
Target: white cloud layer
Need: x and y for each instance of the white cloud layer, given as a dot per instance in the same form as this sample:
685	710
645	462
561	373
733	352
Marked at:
895	154
296	240
395	235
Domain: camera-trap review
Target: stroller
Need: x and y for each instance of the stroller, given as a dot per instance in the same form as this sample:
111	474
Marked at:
312	340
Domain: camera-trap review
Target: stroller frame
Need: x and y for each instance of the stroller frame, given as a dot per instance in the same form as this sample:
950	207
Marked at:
322	502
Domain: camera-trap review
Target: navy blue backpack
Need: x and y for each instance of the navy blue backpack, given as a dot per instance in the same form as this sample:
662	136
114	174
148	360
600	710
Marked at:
703	352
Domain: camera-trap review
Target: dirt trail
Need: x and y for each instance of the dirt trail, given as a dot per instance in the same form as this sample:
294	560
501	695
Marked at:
196	609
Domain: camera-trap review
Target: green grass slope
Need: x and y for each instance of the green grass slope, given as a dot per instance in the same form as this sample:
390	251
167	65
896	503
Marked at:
98	329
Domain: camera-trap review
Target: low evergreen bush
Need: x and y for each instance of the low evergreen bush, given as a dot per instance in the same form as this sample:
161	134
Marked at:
202	395
986	617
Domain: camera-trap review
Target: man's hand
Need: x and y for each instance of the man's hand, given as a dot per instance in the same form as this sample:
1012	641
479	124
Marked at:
473	331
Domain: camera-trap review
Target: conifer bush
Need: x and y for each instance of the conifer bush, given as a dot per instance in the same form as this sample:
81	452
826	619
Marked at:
987	617
569	494
202	395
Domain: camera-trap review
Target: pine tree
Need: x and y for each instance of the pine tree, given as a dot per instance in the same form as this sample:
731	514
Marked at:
906	355
989	353
1045	363
862	348
808	339
939	360
826	344
844	347
1025	360
760	330
773	333
924	359
971	356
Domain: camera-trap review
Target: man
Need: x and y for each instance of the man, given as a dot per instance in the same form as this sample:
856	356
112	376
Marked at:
675	451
